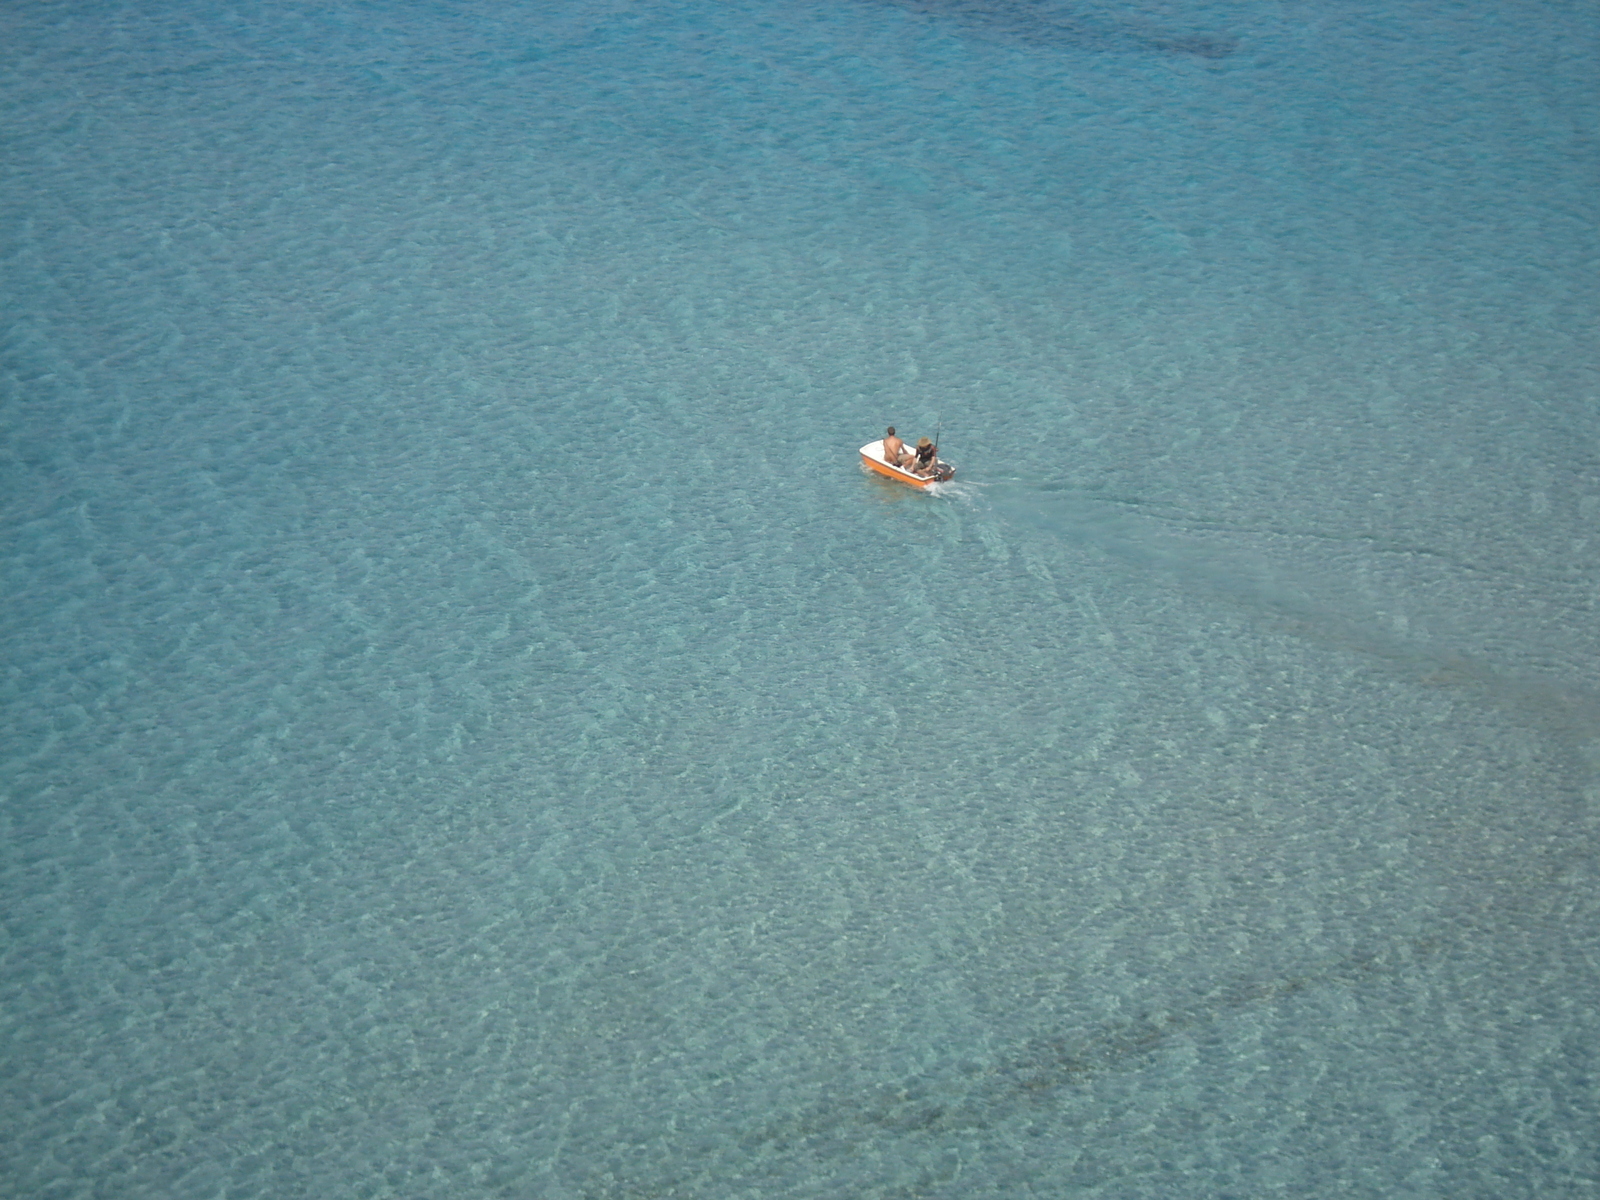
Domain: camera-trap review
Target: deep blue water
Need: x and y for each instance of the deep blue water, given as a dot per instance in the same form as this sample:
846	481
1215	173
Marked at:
468	727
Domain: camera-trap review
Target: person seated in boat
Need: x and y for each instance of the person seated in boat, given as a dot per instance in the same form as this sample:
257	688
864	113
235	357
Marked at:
894	450
926	457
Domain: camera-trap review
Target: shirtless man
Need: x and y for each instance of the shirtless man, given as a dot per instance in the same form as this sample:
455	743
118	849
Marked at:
894	450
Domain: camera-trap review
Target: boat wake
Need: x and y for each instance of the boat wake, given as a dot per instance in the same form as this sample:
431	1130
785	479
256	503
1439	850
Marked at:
961	490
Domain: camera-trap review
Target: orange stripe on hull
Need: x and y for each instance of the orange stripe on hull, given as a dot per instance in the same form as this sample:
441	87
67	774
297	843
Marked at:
883	468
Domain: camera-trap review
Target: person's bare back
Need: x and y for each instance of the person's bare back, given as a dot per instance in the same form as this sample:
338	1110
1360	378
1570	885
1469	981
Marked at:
894	450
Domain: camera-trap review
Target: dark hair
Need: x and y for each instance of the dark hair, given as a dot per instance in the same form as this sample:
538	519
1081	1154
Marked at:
891	431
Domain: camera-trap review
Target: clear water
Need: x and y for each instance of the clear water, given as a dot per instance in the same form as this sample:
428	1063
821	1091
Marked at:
471	729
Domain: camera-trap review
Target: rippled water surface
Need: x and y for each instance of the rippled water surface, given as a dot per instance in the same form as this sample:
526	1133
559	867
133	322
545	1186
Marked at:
468	726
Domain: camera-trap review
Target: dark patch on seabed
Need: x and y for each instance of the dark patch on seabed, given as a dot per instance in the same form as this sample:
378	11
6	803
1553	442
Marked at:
1036	1069
1032	1072
1055	25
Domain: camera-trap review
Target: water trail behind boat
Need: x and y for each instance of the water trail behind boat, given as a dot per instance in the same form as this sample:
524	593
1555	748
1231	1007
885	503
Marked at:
1162	543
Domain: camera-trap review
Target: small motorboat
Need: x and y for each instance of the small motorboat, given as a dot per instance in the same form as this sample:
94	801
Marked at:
873	459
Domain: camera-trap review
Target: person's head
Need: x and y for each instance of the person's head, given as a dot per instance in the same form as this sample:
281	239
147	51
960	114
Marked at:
923	443
891	431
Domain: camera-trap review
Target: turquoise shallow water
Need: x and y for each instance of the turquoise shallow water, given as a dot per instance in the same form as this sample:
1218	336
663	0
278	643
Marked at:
468	727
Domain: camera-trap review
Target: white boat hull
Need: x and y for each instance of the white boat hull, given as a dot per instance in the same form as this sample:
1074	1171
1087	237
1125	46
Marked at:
872	458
